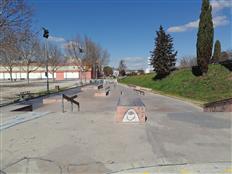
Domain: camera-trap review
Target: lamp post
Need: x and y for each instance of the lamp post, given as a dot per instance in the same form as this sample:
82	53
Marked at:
46	35
81	51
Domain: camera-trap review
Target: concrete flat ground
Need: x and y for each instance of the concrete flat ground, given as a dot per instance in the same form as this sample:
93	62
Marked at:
177	137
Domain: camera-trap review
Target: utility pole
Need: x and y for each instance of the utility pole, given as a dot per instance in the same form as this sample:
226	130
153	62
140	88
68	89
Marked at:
81	68
46	35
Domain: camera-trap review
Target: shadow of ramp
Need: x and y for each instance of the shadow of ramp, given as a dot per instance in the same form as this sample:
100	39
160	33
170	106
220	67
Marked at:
97	168
33	165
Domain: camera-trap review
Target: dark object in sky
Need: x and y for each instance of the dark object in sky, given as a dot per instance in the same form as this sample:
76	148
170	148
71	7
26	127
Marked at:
46	33
81	50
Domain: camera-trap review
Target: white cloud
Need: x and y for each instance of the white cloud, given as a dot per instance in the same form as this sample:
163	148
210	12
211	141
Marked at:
217	21
220	21
136	63
56	39
185	27
217	5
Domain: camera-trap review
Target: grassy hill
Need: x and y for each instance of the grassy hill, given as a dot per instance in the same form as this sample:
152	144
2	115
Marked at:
216	85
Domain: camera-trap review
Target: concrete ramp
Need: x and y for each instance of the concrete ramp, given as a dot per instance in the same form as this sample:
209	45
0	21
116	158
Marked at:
219	106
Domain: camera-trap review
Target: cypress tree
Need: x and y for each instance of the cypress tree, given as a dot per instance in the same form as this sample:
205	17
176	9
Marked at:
217	52
205	37
163	57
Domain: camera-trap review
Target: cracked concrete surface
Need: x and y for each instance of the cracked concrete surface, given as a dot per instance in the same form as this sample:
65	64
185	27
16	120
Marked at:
90	141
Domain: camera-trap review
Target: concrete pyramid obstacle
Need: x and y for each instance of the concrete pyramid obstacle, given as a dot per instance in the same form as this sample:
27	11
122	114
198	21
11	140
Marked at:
130	109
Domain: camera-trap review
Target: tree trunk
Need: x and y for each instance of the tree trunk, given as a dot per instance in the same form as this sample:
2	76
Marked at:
81	76
11	78
53	76
28	77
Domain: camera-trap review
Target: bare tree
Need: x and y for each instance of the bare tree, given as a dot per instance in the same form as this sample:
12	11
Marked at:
92	52
188	61
9	53
95	56
105	57
74	50
88	54
54	59
14	15
30	52
225	55
103	60
91	56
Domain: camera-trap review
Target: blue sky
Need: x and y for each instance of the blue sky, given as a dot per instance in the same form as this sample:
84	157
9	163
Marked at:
127	28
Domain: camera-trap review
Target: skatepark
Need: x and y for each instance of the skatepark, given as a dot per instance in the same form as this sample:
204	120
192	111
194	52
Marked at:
176	136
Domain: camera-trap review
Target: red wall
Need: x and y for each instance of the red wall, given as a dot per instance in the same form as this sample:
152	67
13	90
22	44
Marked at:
60	76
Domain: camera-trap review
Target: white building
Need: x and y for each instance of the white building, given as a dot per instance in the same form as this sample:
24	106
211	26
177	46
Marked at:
149	66
64	71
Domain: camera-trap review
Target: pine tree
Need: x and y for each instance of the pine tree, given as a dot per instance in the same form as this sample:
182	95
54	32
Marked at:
217	52
122	68
163	57
205	37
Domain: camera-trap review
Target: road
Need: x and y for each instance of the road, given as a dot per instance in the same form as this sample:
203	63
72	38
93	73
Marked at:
177	135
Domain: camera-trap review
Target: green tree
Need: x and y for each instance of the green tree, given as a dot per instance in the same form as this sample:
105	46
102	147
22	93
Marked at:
108	71
163	57
205	37
122	68
217	52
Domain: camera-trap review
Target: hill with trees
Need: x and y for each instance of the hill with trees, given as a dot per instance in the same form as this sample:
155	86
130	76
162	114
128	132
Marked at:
215	85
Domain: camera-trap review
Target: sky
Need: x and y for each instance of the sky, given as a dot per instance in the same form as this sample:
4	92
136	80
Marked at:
127	28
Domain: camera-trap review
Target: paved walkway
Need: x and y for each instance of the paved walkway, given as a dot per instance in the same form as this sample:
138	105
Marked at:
90	141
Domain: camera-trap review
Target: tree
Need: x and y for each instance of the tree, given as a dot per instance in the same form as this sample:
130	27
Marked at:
108	71
9	52
103	60
30	52
54	59
187	62
88	54
122	68
205	37
217	52
163	57
74	49
14	15
225	55
92	55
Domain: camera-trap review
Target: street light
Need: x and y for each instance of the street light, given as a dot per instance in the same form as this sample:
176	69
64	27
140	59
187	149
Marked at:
81	51
46	35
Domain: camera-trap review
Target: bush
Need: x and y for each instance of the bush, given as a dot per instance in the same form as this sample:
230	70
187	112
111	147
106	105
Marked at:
196	70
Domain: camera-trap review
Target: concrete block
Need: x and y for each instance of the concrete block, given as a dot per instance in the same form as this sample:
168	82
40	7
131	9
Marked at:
130	110
219	106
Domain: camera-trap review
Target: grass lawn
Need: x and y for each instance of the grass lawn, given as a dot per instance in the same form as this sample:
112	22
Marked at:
216	85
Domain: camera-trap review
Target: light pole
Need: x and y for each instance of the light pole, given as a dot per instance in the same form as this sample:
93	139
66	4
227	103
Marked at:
46	35
81	51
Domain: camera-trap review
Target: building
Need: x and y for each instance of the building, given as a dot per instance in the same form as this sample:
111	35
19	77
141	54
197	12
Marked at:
64	71
149	68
